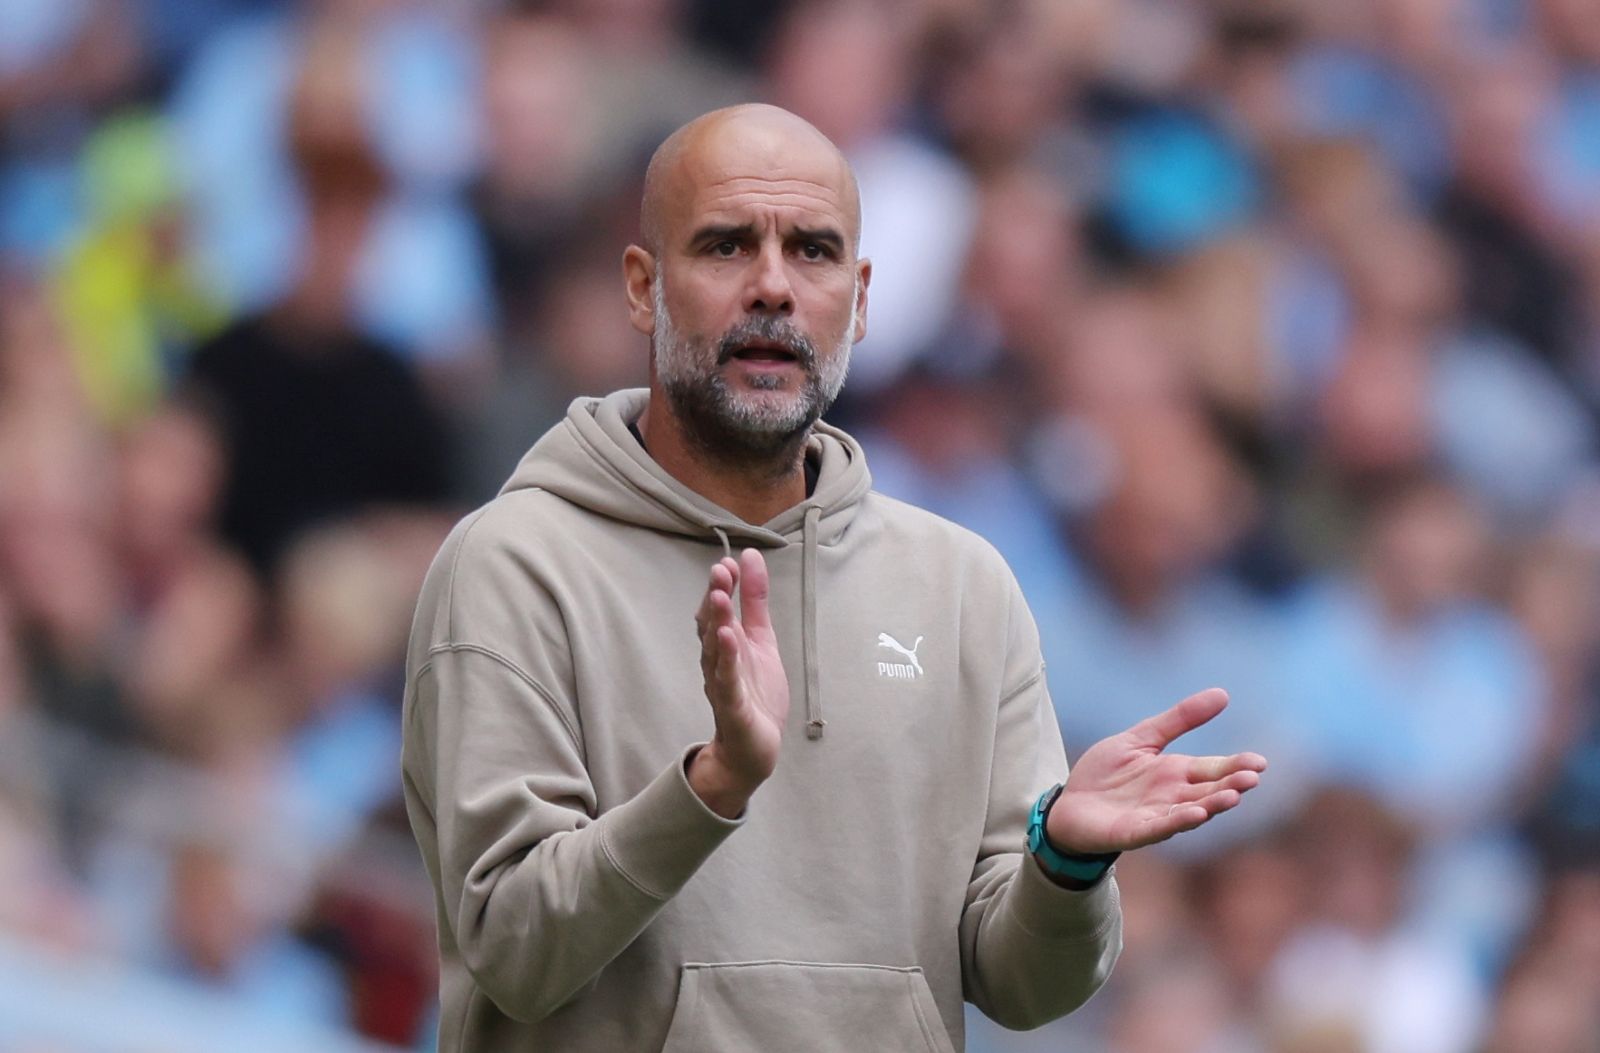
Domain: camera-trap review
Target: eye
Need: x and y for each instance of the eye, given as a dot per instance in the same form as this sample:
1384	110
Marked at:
812	251
726	249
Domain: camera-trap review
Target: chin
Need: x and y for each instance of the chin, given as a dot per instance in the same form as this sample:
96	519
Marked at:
773	416
767	395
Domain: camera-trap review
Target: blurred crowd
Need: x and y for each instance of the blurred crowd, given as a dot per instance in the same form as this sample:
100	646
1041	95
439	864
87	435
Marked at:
1261	336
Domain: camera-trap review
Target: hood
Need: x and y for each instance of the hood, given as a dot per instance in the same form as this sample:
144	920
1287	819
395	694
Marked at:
592	460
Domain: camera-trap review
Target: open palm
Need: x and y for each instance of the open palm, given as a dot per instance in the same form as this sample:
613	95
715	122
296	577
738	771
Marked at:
1125	792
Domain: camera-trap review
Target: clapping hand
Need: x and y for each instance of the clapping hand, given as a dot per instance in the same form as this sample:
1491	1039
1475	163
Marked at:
744	682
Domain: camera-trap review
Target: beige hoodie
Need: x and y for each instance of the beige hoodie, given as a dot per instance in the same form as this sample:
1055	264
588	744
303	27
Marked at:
588	900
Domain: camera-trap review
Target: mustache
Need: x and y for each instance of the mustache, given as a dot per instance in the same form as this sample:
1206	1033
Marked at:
775	331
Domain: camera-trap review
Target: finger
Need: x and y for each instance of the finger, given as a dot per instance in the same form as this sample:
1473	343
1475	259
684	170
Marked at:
725	646
1179	818
1184	817
754	587
708	654
719	616
725	670
734	574
721	580
1240	781
1160	730
1209	769
1217	803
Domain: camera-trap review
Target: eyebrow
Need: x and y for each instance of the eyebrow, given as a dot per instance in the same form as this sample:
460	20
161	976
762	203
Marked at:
743	232
822	236
722	232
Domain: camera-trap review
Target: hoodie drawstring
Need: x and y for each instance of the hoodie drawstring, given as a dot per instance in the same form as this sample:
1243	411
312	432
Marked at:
808	615
808	619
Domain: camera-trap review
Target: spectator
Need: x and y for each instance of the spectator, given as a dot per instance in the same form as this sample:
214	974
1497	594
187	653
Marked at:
318	420
1354	969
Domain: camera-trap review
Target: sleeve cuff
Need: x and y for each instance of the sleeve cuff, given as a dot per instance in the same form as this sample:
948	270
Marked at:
660	838
1051	912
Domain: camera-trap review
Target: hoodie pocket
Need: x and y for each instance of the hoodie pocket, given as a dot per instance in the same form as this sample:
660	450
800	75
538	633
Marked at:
737	1007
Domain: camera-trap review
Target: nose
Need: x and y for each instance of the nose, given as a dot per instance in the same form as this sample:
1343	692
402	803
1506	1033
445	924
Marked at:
769	291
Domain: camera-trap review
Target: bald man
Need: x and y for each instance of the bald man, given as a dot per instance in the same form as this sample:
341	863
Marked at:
842	806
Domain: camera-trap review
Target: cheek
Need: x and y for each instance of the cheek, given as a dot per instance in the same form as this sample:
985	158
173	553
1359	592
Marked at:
707	302
835	303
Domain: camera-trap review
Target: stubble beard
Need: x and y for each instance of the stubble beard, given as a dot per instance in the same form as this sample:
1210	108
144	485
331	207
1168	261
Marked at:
764	429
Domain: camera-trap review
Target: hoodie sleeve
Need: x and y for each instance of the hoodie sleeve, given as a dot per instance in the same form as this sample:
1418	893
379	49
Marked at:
1031	951
538	889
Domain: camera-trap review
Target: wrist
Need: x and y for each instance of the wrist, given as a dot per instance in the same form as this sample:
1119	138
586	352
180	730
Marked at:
1058	827
716	785
1072	868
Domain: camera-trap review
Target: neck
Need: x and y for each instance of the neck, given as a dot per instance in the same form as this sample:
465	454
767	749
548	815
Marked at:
755	492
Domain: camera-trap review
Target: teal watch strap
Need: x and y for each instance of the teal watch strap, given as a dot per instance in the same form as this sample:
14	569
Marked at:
1080	868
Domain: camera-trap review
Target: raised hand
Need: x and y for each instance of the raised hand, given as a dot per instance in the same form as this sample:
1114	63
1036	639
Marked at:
1125	793
745	684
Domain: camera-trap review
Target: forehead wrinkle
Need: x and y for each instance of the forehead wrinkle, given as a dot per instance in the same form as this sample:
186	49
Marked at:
730	181
735	202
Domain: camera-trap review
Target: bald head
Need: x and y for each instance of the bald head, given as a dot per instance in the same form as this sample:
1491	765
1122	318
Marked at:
754	141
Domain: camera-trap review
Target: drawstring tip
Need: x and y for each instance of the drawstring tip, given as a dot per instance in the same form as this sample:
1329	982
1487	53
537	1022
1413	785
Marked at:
814	729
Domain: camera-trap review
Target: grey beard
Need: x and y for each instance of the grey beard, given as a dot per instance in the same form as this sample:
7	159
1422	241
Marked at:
734	428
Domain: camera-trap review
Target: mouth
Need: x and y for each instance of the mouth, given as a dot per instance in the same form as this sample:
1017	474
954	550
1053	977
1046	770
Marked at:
763	354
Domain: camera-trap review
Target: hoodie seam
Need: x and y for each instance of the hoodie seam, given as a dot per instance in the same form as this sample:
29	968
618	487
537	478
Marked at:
1025	685
539	689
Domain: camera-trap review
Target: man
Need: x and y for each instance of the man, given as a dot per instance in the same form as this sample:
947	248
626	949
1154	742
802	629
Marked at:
636	847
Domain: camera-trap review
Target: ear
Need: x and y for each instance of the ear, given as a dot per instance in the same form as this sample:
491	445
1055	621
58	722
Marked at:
864	272
639	281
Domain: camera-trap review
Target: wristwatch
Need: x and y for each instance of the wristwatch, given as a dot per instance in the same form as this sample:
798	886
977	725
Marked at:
1082	870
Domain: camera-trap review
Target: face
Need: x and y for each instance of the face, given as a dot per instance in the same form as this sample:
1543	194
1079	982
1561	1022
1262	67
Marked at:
754	389
755	295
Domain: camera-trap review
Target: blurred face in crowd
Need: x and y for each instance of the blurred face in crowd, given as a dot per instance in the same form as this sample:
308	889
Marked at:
997	99
1356	860
1026	258
818	40
750	288
1427	548
1175	505
539	108
169	483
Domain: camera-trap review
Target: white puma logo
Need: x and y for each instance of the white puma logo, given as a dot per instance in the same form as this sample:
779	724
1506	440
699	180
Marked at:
897	669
